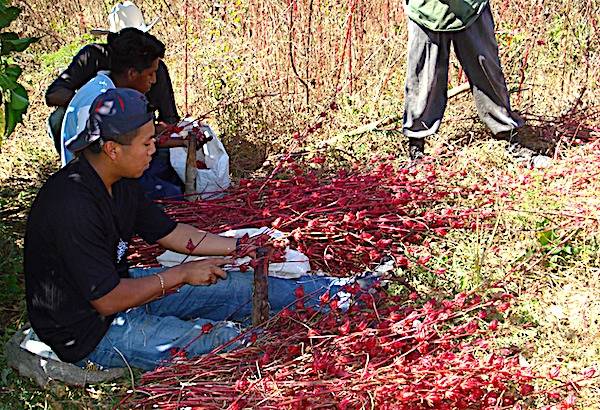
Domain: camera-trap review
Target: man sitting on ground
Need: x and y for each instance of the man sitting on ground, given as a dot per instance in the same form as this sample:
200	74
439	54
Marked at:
96	57
82	299
135	58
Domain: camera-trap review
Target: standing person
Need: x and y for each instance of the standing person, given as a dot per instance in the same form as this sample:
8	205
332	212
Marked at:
468	24
96	57
135	58
82	299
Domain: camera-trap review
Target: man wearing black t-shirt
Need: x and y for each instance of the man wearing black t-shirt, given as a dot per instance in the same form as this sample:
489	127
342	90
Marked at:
82	299
96	57
135	58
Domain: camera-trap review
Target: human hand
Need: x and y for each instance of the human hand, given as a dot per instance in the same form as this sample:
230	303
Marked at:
204	272
161	127
244	247
172	143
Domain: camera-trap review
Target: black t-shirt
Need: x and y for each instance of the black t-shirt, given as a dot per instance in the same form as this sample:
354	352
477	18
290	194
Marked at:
95	57
75	252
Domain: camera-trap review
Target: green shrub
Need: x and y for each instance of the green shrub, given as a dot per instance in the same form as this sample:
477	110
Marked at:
14	94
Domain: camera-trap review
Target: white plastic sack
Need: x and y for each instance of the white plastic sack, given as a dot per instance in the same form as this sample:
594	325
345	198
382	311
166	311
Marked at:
296	265
210	182
33	344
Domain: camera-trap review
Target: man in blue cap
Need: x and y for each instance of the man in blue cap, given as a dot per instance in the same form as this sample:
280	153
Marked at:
83	300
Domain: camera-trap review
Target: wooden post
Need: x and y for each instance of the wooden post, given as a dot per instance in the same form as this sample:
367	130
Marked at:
191	170
260	294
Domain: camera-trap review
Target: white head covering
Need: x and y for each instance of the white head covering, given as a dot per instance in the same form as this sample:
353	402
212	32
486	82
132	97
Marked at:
125	15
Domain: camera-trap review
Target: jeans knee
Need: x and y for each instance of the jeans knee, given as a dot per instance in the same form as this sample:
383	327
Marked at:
221	335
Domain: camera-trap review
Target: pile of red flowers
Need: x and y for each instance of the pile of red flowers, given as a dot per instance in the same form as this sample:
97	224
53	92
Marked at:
384	352
343	223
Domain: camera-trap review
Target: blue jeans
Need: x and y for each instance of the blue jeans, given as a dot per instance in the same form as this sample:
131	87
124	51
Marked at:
160	180
146	335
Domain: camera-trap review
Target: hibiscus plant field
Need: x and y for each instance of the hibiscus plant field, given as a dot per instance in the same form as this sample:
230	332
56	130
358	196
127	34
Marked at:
490	297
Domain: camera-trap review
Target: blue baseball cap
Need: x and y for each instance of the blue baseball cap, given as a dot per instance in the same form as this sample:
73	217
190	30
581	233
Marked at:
113	113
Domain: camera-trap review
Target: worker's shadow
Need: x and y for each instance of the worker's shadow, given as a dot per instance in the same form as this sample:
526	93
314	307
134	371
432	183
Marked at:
542	134
548	135
576	127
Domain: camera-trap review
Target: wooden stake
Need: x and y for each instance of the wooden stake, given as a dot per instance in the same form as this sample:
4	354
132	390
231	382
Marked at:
191	170
260	294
